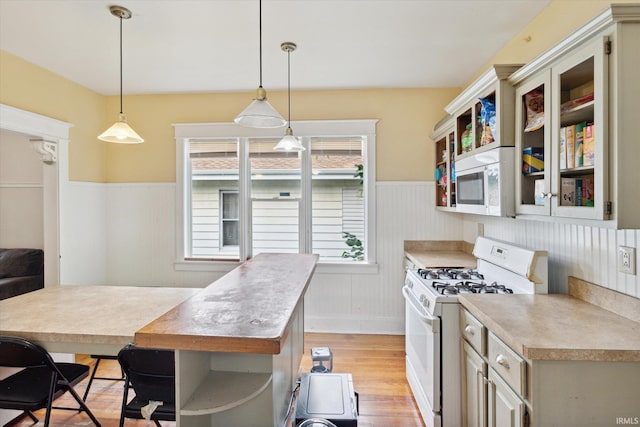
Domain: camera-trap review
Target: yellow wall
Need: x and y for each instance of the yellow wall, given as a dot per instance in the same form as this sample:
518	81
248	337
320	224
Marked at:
406	119
31	88
554	23
407	116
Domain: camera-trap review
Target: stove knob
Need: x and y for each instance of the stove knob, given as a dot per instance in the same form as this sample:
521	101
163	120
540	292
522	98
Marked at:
409	284
422	298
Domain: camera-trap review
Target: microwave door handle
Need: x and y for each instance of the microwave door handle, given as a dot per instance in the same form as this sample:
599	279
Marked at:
485	177
434	322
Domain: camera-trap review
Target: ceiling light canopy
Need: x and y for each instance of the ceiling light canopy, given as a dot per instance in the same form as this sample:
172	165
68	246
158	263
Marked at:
289	142
260	114
120	131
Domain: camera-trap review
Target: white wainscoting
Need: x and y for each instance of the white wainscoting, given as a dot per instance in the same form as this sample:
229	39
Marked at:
83	233
124	234
373	303
141	238
586	252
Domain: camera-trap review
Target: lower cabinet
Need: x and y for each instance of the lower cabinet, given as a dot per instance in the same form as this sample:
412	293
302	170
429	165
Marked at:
474	387
505	408
500	388
493	379
239	389
488	400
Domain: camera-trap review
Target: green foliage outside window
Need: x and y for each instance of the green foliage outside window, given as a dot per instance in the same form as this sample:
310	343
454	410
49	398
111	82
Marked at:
356	250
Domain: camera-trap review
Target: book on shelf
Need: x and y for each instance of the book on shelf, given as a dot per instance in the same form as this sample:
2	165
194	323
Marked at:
571	146
563	148
587	192
588	146
577	192
579	141
575	103
568	192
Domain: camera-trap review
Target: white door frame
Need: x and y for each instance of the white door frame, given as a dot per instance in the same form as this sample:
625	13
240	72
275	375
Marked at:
37	126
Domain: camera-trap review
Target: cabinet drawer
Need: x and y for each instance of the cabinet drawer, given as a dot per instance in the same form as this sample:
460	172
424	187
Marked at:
511	366
473	331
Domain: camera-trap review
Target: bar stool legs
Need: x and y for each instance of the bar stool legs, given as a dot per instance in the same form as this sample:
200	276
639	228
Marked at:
93	376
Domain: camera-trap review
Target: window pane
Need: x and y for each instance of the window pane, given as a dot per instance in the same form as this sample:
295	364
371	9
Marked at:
275	226
275	191
214	198
338	228
230	220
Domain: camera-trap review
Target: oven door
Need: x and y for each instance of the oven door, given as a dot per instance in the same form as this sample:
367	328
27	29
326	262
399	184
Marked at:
423	348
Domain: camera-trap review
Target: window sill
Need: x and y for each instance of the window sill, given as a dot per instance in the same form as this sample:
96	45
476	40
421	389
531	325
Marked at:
347	268
321	268
220	266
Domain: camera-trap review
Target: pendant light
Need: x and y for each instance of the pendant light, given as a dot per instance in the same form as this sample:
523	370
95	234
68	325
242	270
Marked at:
121	132
260	114
289	142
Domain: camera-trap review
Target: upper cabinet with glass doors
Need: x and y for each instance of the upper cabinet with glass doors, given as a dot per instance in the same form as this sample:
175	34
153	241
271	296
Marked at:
483	113
445	168
577	124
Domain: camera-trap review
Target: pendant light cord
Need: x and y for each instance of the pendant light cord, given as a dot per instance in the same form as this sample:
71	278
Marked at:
260	28
120	64
289	83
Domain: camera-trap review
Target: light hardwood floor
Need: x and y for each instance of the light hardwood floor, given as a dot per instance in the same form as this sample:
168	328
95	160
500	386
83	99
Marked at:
376	363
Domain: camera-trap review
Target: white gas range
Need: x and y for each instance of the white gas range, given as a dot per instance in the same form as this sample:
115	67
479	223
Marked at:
433	319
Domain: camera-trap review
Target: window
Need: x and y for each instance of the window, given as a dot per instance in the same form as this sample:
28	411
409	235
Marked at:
229	218
240	198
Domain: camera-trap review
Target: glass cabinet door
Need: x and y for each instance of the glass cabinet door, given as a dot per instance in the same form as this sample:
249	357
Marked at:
580	134
533	145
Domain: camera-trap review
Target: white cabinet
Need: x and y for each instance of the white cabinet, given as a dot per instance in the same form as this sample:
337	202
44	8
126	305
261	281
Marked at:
229	389
501	388
505	408
490	370
474	388
471	135
581	163
445	178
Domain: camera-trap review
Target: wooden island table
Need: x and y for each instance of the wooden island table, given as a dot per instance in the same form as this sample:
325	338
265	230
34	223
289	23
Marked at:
239	343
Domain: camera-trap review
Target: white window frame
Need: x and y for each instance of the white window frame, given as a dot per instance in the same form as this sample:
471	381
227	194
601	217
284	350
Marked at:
222	219
305	130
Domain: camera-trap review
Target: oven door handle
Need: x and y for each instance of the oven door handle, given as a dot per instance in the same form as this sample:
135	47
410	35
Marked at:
434	322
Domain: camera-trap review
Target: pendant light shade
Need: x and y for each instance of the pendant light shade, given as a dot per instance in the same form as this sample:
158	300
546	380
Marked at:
289	142
120	131
260	114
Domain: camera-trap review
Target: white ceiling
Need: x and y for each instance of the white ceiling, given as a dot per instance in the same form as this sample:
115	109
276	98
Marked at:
175	46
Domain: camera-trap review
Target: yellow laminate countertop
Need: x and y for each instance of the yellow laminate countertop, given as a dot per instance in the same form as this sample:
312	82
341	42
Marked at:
557	327
246	311
440	253
86	319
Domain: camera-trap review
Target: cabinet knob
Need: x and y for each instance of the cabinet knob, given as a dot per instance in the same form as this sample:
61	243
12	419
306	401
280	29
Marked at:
548	195
469	330
502	361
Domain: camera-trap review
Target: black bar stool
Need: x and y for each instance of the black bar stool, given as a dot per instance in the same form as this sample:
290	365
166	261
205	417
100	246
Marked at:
98	358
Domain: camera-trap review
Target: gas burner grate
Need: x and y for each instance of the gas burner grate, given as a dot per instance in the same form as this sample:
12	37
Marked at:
450	274
469	287
495	288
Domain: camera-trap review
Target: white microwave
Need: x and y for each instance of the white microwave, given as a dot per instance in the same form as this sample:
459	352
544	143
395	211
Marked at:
485	183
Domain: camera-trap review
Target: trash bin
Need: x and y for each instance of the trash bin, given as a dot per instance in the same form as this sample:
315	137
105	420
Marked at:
327	397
